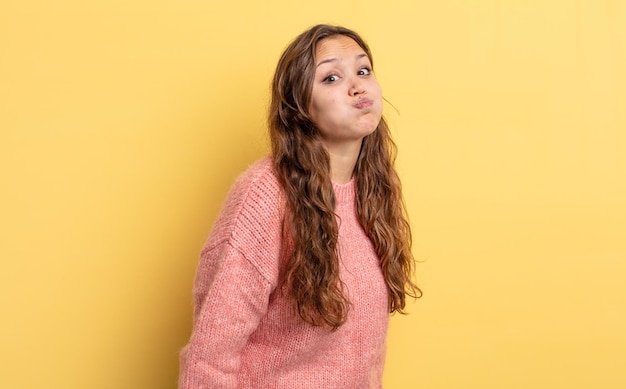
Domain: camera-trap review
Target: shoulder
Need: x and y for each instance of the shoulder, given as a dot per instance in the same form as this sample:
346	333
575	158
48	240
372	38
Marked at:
257	184
254	199
251	218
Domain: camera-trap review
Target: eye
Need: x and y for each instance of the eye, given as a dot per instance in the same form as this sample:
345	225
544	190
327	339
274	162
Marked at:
331	78
366	71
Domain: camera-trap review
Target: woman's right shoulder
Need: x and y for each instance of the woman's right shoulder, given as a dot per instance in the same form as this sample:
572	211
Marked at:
250	221
261	175
257	187
254	204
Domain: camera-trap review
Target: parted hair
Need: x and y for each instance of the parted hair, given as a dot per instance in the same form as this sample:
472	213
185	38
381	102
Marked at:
302	165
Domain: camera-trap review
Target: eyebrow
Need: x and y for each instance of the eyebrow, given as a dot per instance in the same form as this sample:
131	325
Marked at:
333	59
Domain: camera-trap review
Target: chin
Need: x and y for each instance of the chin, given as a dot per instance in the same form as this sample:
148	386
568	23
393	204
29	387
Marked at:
371	128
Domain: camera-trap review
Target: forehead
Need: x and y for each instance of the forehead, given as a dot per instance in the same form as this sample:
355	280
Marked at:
337	46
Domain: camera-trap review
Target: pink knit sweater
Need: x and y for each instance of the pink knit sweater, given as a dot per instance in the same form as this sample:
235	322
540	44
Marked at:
245	331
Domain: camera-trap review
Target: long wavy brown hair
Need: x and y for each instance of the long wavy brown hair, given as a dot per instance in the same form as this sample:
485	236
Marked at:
302	164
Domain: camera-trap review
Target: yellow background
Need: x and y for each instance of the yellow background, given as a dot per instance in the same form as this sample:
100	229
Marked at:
124	122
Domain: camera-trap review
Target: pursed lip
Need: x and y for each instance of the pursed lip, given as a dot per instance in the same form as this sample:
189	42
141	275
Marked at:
363	103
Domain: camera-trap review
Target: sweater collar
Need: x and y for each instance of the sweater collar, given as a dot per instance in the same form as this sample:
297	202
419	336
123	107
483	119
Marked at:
344	193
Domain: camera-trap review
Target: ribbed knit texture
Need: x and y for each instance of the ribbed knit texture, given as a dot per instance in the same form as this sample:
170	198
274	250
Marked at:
246	333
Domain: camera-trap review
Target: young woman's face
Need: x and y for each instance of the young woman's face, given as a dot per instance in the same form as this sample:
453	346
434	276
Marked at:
346	100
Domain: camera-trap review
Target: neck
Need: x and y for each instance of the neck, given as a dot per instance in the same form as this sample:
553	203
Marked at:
343	160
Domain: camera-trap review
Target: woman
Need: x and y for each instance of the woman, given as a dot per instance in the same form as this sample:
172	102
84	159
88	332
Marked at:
311	252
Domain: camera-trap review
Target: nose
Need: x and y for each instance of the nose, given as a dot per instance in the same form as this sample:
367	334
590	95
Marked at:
357	87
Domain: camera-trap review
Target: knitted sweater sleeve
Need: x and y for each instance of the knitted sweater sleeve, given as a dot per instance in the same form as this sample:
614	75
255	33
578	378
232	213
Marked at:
236	275
228	310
